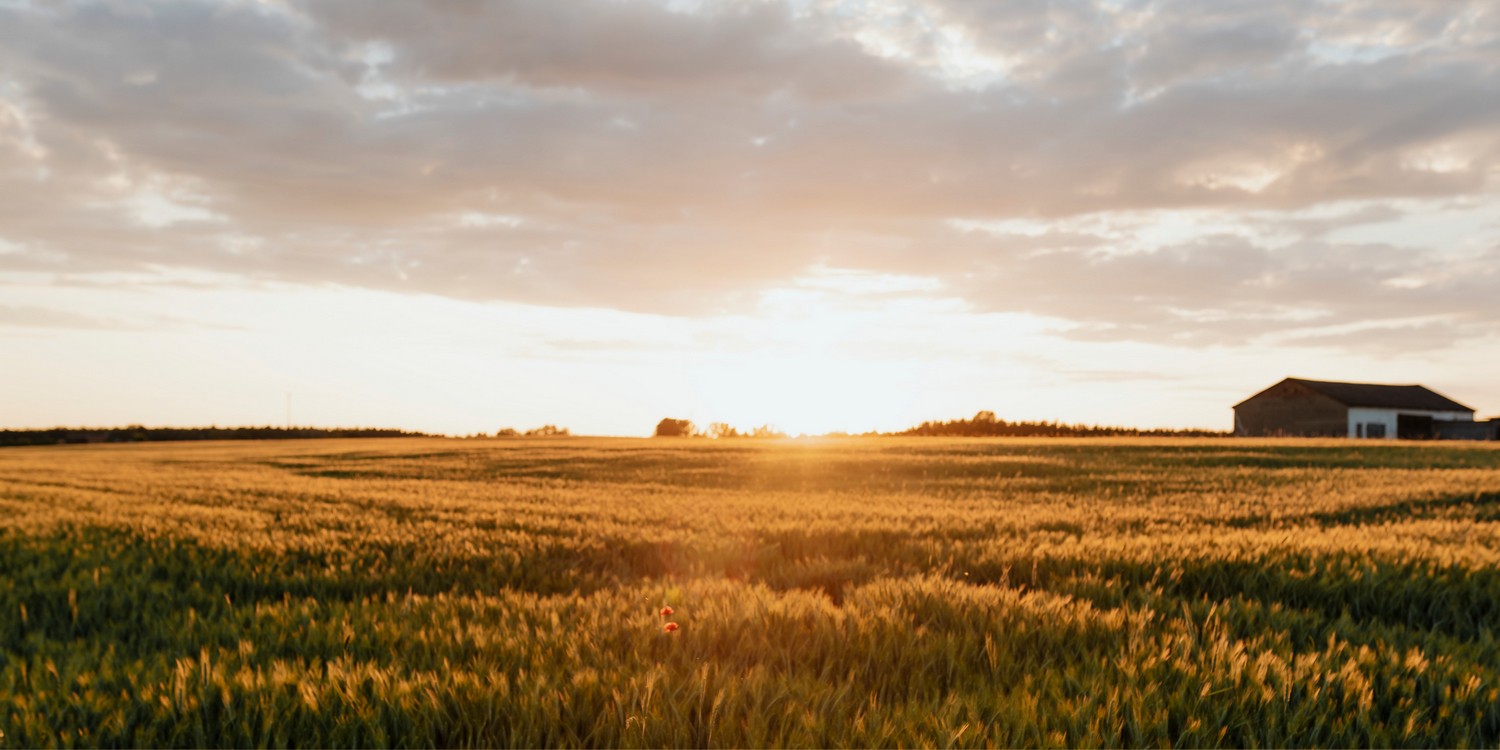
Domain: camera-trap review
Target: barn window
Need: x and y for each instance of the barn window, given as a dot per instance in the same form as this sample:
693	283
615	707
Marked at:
1375	430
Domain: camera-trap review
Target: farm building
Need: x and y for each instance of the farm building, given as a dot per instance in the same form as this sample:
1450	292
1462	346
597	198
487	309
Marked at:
1315	408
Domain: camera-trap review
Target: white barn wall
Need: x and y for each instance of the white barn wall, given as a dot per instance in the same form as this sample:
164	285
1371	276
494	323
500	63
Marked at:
1365	415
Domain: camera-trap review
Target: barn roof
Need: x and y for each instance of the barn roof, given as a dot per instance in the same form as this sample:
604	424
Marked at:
1383	396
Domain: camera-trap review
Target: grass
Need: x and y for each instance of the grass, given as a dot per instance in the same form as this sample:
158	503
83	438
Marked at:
913	592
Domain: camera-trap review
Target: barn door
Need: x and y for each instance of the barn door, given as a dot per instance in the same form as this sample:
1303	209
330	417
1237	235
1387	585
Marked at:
1414	427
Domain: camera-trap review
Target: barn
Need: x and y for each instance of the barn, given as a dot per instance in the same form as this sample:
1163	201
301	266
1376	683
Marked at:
1316	408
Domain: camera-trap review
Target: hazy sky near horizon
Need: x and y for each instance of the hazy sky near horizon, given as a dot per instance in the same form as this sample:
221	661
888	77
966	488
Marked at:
821	214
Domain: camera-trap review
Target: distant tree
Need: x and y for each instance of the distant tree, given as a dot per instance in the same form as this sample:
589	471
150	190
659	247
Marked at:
767	431
548	430
722	430
507	432
669	427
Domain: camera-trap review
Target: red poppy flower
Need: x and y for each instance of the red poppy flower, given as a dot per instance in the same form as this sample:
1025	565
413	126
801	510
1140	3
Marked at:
666	611
670	627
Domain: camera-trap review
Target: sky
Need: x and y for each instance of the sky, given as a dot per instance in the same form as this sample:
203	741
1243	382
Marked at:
819	214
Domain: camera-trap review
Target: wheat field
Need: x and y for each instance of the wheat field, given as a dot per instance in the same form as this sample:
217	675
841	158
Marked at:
850	592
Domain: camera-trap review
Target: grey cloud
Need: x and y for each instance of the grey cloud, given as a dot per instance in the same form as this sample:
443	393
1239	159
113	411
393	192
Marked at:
1198	51
679	162
1228	291
729	49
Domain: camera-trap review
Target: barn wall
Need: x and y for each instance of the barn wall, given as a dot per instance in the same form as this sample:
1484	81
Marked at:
1469	430
1365	415
1291	409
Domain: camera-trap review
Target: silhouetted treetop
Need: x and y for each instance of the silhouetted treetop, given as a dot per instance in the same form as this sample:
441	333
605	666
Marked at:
670	427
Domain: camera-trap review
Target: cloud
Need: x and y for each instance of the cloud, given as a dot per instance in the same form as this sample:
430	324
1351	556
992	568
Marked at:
732	50
1230	290
26	316
655	159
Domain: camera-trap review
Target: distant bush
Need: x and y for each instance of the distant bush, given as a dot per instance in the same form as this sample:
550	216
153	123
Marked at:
548	430
670	427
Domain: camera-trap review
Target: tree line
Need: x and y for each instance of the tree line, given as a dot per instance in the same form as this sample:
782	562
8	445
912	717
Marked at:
670	427
140	434
986	424
983	424
546	430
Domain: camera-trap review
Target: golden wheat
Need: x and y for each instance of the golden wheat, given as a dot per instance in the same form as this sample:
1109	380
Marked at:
874	592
